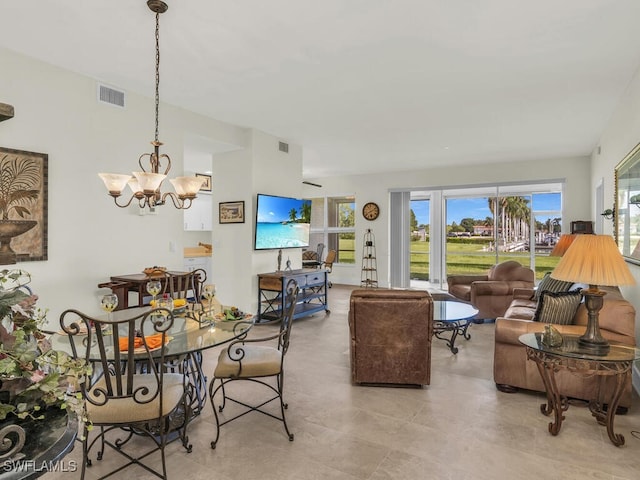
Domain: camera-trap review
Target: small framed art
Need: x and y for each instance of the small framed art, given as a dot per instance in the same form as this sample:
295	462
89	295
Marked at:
232	212
206	186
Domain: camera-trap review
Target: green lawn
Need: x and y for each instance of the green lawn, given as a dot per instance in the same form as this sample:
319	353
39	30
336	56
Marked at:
346	250
462	258
468	258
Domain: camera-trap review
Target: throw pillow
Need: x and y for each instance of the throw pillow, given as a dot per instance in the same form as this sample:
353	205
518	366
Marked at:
557	307
548	284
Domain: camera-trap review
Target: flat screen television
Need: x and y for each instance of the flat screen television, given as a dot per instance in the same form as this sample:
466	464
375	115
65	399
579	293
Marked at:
282	222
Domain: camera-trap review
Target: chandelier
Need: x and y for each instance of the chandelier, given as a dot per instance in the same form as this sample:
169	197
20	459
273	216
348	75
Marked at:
145	185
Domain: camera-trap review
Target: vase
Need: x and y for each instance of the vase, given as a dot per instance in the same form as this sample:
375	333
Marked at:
8	230
21	438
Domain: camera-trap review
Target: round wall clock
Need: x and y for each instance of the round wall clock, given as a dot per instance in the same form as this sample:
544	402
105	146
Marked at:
370	211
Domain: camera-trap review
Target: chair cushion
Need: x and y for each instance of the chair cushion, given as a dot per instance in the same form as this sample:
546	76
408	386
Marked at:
258	361
127	410
522	309
510	271
557	307
549	284
463	292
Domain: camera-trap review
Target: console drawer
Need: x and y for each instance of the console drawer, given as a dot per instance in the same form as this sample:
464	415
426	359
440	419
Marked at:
270	283
301	280
315	279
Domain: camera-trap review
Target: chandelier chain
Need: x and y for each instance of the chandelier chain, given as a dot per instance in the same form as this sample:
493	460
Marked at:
157	99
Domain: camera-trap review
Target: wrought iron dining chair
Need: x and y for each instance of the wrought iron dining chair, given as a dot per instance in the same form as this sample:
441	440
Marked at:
187	285
328	263
248	360
130	393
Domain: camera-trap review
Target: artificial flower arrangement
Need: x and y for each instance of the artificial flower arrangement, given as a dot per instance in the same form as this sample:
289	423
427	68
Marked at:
33	376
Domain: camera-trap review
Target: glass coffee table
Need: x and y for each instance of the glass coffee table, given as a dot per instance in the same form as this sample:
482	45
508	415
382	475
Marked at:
452	316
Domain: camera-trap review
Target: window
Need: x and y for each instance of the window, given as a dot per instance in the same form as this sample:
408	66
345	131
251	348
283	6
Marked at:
333	223
419	246
467	229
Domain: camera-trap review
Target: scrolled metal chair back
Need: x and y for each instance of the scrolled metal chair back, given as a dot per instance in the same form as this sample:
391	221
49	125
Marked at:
117	350
290	301
188	286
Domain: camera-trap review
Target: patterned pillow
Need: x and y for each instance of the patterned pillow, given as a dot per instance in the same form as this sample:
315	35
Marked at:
548	284
557	307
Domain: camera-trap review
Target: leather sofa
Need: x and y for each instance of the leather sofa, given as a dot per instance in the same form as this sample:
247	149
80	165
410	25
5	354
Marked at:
491	294
512	370
390	336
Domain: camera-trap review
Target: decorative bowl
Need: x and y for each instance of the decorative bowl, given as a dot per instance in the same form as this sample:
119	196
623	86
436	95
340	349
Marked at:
154	271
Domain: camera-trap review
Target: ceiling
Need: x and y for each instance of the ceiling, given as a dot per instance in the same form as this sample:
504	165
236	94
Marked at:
362	85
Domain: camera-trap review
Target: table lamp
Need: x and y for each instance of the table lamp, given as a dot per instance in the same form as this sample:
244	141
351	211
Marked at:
594	260
563	244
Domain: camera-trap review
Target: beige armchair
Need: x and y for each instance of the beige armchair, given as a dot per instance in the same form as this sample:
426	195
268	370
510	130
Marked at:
391	334
491	294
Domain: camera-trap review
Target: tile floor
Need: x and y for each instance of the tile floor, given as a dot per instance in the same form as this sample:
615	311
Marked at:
459	427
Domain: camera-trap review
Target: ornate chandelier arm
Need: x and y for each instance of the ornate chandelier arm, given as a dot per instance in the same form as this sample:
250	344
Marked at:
115	199
181	204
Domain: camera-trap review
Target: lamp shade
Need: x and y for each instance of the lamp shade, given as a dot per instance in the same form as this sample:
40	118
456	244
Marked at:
595	260
187	186
149	182
563	245
134	185
114	182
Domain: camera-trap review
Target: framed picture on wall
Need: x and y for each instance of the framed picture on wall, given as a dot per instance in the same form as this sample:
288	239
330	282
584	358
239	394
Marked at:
232	212
627	205
23	206
206	186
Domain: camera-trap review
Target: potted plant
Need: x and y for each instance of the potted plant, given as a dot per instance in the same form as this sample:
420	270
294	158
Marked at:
33	376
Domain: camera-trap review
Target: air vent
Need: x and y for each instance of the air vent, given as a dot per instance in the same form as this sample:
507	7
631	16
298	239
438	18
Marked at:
111	96
312	184
284	147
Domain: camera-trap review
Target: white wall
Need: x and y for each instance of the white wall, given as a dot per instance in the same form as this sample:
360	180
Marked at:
232	243
621	135
376	187
56	112
239	176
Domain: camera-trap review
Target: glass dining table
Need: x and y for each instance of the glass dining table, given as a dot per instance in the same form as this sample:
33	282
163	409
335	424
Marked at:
192	333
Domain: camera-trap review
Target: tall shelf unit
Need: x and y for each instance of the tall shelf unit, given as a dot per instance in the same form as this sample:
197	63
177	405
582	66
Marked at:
369	275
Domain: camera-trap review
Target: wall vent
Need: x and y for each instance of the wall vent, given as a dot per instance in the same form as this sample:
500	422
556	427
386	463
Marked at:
111	96
312	184
283	147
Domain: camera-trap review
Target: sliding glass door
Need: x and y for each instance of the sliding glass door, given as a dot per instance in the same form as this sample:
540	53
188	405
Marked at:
466	230
470	234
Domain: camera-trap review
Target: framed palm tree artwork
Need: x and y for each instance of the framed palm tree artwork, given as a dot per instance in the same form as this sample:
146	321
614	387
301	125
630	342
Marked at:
23	206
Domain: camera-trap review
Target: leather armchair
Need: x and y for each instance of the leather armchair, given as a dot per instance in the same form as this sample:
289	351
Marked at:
491	294
391	334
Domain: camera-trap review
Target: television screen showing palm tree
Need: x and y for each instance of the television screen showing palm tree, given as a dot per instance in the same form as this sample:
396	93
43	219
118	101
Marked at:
282	222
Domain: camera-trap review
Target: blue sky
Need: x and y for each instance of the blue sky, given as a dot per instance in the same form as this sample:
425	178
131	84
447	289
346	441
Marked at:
276	209
478	208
